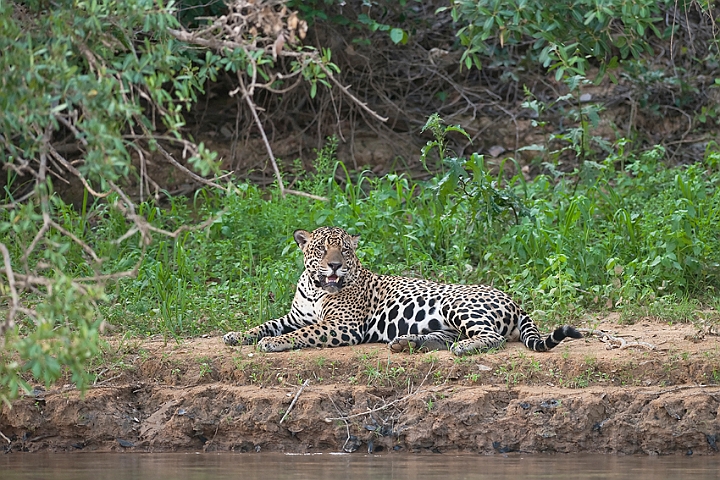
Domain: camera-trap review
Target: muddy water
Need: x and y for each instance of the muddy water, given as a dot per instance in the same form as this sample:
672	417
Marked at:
88	466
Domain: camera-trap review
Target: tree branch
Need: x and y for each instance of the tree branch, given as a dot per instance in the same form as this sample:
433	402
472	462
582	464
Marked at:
253	110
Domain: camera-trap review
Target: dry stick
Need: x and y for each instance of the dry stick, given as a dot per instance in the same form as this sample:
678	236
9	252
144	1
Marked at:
345	90
101	383
10	319
253	110
220	44
247	93
76	172
292	404
616	342
187	171
37	280
416	392
75	239
347	425
18	201
40	234
148	135
144	227
4	437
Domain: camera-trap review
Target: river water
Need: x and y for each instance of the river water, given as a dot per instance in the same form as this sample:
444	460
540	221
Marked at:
267	466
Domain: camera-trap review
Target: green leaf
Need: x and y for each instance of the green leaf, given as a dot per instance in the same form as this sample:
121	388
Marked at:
397	35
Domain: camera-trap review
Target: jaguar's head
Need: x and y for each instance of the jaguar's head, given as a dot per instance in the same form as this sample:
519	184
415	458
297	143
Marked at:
329	257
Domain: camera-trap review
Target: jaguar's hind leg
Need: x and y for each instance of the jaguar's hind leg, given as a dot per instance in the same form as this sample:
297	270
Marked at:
425	343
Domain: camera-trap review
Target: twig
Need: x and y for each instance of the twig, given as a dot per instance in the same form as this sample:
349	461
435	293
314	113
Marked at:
416	392
346	91
69	166
38	280
17	201
247	90
208	444
187	171
103	382
75	239
347	425
4	437
675	389
144	227
616	342
222	44
292	404
305	194
15	299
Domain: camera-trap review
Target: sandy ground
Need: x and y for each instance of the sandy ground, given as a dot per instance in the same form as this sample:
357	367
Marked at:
656	394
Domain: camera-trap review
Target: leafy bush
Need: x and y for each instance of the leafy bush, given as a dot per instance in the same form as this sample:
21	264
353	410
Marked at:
545	30
92	90
84	85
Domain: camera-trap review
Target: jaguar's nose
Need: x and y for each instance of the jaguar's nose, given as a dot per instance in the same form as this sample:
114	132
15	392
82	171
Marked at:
335	266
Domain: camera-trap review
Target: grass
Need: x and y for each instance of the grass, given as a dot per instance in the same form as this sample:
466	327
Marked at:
627	234
641	239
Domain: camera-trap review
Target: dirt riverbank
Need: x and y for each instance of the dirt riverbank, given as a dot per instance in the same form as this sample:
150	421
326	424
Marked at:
201	395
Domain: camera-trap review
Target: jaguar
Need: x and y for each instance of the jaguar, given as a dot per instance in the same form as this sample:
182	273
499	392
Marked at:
338	302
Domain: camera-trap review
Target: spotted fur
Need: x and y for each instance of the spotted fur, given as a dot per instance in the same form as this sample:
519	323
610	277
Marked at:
338	302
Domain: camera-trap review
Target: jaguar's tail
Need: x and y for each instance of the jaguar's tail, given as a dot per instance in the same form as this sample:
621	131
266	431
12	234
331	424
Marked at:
530	335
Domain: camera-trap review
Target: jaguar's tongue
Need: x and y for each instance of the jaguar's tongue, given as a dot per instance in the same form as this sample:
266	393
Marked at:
332	278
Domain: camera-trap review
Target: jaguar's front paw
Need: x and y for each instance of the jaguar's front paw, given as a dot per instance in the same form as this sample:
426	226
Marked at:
404	343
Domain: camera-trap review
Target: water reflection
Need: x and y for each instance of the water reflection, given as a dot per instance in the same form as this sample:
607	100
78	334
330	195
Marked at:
89	466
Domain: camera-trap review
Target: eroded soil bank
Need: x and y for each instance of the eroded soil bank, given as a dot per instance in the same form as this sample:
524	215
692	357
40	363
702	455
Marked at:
201	395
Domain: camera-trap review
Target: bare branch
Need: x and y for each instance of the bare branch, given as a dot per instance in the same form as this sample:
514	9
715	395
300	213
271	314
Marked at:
18	201
346	91
144	227
75	239
292	404
305	194
186	145
14	298
40	234
383	407
615	342
69	166
187	171
253	110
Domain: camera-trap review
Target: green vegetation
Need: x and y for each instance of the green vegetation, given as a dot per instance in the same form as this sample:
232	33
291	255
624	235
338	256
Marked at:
603	237
91	91
94	91
600	28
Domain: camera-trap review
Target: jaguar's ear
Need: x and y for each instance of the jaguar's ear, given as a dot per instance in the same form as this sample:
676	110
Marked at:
355	240
302	238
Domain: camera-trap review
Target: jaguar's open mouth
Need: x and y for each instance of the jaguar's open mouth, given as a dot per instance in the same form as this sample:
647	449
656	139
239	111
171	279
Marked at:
331	283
